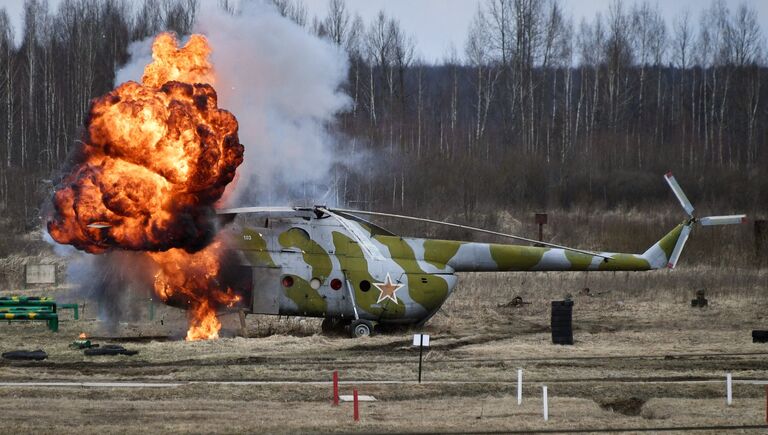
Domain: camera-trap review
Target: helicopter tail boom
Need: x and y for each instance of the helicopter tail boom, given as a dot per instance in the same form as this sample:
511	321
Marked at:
492	257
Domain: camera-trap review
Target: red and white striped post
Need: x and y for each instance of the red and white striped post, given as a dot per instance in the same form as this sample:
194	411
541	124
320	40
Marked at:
357	407
335	388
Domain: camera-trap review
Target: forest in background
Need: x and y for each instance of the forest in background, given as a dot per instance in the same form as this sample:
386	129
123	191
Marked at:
535	111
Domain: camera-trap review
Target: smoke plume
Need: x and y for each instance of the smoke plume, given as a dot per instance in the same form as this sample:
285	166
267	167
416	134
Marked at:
284	86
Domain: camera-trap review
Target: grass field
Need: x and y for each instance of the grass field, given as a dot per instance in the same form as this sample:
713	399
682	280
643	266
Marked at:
642	358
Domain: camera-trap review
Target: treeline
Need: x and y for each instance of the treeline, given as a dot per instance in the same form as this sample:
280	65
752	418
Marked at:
534	110
540	111
47	79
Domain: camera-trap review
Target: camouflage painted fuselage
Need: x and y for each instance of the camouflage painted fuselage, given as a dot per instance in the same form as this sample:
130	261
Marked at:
349	259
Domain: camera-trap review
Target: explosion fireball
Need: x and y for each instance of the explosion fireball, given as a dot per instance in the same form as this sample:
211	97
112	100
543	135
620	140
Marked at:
153	161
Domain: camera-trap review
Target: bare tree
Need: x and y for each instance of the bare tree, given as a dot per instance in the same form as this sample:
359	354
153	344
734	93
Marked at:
682	41
402	48
6	52
478	52
745	37
294	10
499	22
378	44
337	21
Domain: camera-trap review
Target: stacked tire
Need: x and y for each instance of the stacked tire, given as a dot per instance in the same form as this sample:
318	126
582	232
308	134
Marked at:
562	322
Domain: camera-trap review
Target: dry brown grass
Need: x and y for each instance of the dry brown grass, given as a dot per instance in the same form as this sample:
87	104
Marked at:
634	337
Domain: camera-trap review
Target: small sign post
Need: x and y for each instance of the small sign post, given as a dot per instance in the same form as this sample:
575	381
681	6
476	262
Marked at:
545	402
728	389
356	412
541	220
519	386
421	340
335	388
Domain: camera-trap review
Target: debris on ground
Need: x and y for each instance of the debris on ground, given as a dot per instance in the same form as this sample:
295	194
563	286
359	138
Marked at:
586	291
516	302
700	300
110	349
36	355
82	344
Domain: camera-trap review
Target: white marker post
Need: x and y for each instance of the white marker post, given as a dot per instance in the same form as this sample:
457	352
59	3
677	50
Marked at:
728	389
519	386
544	400
421	340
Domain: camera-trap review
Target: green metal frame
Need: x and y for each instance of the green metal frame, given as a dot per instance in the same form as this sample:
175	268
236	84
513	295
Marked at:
74	307
52	319
21	308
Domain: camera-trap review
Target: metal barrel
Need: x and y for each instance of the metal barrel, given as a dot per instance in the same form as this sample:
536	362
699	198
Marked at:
562	322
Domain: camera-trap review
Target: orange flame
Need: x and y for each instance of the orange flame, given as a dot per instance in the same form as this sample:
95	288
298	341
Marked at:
82	336
188	64
180	277
207	326
154	160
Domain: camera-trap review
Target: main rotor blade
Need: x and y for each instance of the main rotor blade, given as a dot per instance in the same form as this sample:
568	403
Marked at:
466	227
679	247
724	220
678	191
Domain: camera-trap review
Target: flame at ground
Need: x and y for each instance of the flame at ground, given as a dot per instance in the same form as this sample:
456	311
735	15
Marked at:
180	277
153	161
206	325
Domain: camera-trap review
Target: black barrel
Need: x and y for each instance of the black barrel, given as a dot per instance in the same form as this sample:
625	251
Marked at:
759	336
562	322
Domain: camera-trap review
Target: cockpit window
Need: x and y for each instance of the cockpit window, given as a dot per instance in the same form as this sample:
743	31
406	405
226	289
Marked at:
252	220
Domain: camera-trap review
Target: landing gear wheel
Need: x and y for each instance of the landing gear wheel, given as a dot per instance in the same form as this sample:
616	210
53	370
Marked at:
360	328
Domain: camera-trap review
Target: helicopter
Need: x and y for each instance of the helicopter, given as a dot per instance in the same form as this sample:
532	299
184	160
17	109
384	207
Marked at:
334	264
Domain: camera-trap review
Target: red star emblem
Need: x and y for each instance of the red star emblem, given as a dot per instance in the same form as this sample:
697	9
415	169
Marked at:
387	289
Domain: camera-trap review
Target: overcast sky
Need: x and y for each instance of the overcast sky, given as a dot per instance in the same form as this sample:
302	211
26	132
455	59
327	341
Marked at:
437	24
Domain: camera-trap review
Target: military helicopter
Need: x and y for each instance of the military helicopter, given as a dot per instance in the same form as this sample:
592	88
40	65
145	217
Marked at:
331	263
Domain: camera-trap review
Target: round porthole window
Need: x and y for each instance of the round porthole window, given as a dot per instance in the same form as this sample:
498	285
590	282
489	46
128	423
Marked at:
365	286
287	281
315	283
336	284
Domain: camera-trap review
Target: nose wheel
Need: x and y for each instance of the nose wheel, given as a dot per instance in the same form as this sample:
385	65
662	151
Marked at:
360	328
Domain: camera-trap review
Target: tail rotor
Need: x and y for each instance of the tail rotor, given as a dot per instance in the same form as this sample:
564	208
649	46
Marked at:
678	191
705	221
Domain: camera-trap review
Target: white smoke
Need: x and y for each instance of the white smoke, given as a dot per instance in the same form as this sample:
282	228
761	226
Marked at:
284	86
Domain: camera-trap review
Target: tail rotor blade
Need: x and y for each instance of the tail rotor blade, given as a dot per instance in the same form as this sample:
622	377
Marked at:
724	220
679	247
678	191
